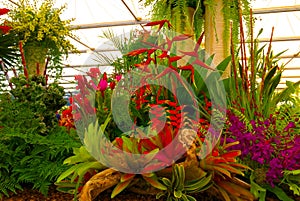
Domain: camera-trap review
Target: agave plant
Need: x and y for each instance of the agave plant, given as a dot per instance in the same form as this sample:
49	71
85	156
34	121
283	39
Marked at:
180	189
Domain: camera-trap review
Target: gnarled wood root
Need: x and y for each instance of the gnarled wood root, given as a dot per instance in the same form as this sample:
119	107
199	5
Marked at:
99	183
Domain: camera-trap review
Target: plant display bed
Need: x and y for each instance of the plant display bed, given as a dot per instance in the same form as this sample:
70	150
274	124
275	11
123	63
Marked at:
34	195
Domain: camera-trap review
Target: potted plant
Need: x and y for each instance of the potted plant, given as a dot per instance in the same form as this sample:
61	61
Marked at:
43	33
167	138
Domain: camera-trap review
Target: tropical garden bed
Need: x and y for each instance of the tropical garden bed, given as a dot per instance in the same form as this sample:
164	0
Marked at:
166	124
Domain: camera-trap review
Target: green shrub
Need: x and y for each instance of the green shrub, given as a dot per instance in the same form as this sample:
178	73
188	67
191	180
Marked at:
32	145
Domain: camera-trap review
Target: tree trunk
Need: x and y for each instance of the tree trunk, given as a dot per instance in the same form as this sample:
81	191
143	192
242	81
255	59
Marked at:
214	34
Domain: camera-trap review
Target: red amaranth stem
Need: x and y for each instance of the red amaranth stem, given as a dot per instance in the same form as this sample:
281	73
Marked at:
253	71
23	59
37	68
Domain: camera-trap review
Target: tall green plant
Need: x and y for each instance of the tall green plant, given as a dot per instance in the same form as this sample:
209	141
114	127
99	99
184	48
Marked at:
254	80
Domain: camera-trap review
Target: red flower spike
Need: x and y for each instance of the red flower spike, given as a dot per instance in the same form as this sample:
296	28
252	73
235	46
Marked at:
169	43
175	58
163	55
104	76
119	142
199	41
182	37
142	66
201	63
160	23
151	51
3	11
192	54
173	118
165	72
137	52
172	112
190	68
172	104
231	154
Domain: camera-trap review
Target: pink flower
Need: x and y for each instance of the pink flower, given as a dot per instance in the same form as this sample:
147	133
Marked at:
118	77
102	85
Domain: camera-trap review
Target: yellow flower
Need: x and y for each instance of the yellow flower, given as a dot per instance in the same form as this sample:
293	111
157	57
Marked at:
40	22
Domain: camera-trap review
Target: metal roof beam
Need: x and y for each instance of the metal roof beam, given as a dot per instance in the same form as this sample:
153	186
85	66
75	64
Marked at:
280	9
109	24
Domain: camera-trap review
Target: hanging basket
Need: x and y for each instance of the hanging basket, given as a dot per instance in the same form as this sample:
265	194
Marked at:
35	56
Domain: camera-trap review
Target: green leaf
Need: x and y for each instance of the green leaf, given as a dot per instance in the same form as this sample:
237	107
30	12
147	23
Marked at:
67	173
294	172
223	65
269	76
295	188
155	183
119	188
177	193
190	198
197	185
279	193
166	182
81	155
127	143
256	190
159	195
126	177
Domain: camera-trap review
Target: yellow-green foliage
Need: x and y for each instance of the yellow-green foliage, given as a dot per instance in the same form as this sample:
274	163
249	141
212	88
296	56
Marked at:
38	21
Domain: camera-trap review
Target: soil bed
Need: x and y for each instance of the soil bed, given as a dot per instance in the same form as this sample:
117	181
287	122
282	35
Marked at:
34	195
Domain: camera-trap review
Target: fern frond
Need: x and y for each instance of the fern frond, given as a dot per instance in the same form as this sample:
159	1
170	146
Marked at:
8	185
243	118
